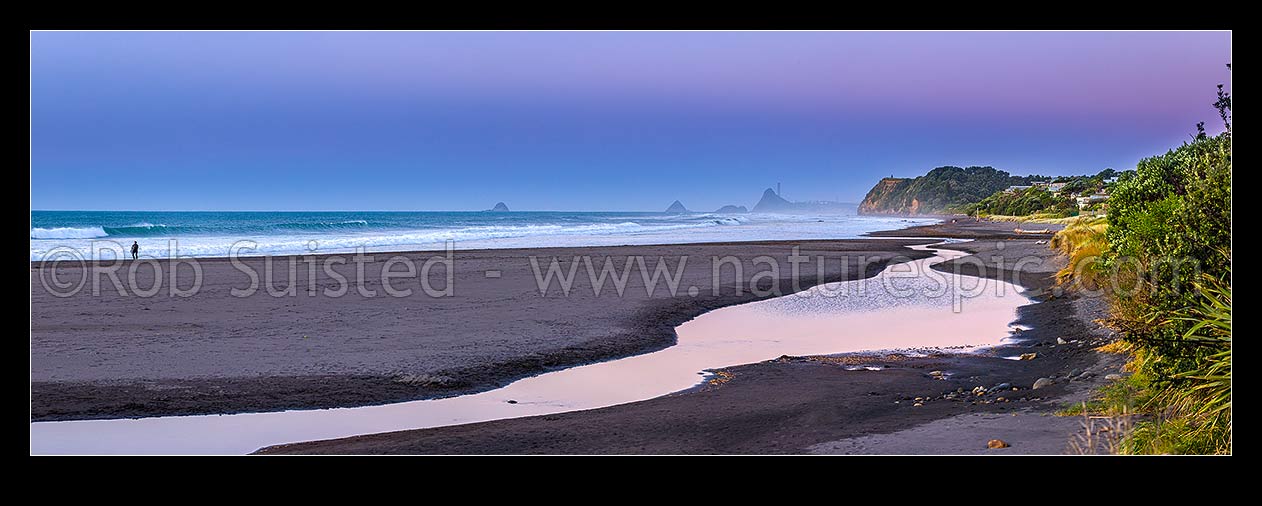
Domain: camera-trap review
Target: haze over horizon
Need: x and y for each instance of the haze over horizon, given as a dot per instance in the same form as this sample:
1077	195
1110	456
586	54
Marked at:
599	121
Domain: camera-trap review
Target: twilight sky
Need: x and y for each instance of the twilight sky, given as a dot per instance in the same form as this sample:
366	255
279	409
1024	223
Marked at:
588	120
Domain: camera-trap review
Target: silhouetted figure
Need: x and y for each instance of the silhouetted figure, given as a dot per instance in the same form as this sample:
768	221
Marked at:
135	250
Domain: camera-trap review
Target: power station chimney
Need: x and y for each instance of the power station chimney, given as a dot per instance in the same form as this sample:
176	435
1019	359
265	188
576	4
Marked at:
778	190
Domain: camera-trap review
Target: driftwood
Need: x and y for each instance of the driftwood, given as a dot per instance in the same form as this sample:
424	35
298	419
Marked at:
1019	231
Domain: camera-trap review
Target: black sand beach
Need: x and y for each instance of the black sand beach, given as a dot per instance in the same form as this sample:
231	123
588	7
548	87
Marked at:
116	356
212	353
812	405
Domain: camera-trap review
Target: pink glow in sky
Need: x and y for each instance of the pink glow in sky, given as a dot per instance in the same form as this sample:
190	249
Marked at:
831	110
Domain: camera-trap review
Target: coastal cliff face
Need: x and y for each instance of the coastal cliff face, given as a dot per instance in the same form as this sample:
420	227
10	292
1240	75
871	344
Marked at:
942	190
880	199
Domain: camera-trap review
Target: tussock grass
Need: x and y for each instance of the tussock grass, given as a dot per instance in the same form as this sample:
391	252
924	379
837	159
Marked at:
1117	348
1084	242
1102	434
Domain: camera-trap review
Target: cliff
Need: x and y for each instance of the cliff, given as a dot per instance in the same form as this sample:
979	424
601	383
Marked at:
942	190
881	197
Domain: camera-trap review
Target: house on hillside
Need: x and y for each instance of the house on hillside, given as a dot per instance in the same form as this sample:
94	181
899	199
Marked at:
1049	186
1014	189
1092	199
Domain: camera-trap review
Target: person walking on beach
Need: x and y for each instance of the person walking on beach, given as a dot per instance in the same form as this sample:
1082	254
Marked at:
135	250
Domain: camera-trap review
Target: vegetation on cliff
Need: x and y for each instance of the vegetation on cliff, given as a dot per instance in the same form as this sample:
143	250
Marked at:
987	191
942	190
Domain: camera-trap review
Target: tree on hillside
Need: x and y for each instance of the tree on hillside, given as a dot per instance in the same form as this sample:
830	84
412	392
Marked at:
1106	173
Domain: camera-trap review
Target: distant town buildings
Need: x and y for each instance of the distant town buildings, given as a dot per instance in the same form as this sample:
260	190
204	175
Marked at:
1084	200
1049	186
1044	185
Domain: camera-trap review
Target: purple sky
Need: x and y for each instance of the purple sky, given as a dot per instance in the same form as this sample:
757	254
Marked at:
588	120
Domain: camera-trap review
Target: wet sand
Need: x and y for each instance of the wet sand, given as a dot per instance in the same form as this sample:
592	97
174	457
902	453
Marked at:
116	355
817	405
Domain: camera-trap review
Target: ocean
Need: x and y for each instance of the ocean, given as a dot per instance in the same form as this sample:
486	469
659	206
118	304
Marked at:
104	234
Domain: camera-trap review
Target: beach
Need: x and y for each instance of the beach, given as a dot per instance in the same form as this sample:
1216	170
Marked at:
630	242
113	355
246	354
811	405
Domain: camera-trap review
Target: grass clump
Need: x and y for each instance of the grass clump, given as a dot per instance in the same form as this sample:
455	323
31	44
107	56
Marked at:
1084	242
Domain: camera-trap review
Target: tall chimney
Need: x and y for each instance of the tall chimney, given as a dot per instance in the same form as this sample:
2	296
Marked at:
778	190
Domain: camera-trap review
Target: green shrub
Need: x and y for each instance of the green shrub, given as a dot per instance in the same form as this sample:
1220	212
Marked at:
1167	226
